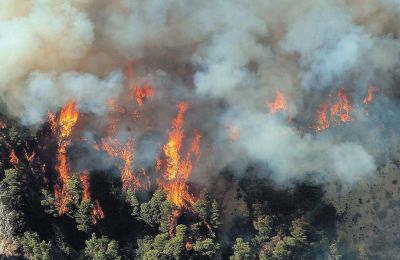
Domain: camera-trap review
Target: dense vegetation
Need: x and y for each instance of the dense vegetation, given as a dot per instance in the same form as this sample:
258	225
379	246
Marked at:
249	218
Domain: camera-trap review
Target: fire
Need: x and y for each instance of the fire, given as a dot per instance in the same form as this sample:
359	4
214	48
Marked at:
188	246
178	167
62	126
62	199
84	180
67	119
233	134
13	158
3	124
97	212
279	104
323	121
339	112
29	158
371	91
127	153
141	94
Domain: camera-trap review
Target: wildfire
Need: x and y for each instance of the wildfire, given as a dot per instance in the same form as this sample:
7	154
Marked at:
127	153
62	199
279	104
3	124
178	167
97	212
13	158
371	91
339	112
84	180
67	119
141	94
62	126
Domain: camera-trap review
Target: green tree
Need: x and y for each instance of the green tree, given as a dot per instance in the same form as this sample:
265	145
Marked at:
33	248
300	231
362	252
101	248
263	227
207	249
12	197
284	248
48	202
215	215
174	247
133	202
157	211
75	190
242	250
334	252
83	216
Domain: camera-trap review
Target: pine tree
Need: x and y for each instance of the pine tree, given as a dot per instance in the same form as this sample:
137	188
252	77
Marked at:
242	250
33	248
102	248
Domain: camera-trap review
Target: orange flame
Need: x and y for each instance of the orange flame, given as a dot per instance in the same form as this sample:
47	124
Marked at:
127	153
141	94
84	180
67	119
29	158
279	104
97	212
3	124
371	91
62	199
339	112
323	121
63	126
178	168
13	158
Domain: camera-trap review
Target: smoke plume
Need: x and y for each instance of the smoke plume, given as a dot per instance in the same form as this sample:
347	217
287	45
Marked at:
227	59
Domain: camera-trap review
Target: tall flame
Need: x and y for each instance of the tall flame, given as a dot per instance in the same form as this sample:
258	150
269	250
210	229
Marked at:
67	119
126	152
97	211
84	180
178	167
62	126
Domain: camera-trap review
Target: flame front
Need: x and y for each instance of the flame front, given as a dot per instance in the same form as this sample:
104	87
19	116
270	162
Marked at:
178	167
339	112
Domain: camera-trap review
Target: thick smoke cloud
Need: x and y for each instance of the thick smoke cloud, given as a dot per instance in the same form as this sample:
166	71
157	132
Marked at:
227	58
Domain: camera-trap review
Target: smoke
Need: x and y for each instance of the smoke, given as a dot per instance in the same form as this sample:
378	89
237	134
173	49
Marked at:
226	58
